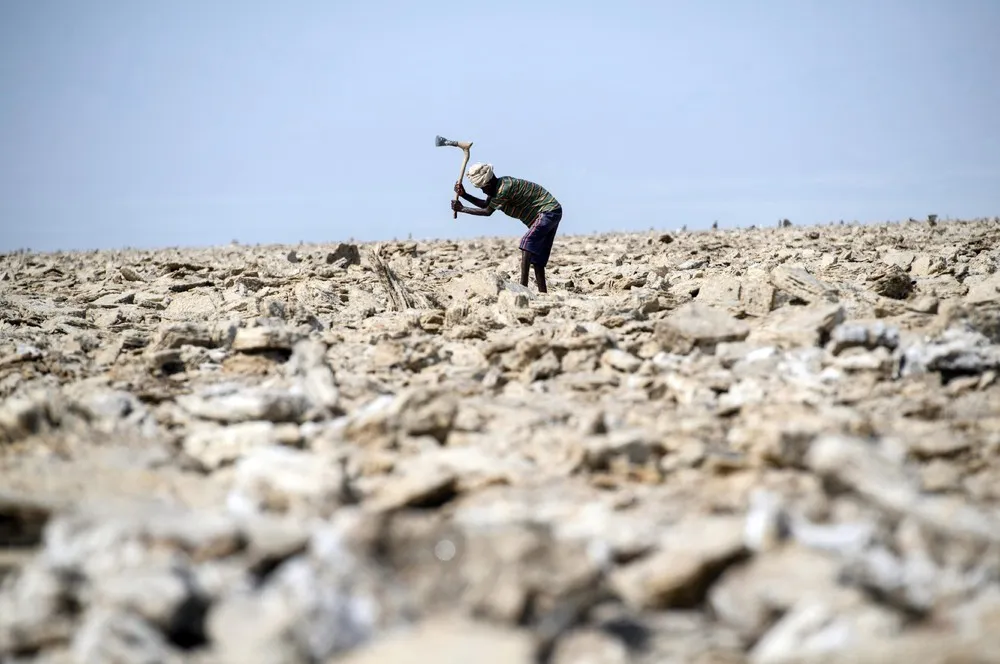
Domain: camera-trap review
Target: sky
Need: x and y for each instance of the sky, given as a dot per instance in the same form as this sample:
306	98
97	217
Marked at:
191	123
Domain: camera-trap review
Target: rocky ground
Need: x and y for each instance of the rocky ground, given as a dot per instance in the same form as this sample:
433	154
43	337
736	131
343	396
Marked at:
765	446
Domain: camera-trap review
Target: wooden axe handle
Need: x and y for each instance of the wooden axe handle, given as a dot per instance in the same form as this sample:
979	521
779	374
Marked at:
461	174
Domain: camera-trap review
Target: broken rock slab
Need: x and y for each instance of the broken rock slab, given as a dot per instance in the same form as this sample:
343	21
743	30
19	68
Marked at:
956	352
216	446
892	282
348	253
284	480
858	335
448	640
798	326
229	403
264	338
698	326
801	285
690	555
739	297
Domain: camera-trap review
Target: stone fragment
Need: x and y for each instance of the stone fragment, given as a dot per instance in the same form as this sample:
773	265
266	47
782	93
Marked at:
109	635
925	265
757	297
900	259
349	253
985	291
721	293
264	338
174	335
411	413
696	326
858	335
798	326
812	629
422	487
231	404
854	464
678	573
751	596
130	274
620	360
217	446
892	282
452	640
956	352
286	481
801	285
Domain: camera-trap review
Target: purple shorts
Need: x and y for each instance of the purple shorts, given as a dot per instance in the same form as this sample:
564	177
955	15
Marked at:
538	240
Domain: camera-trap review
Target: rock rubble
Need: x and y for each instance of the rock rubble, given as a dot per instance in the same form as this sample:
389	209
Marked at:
763	446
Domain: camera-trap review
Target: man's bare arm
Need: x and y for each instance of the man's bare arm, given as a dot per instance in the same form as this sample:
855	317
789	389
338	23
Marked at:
484	212
481	202
460	190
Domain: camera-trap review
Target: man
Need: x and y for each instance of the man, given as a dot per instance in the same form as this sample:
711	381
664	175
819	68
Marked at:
533	205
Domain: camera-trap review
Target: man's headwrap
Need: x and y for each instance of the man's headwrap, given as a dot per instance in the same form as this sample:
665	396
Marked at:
480	174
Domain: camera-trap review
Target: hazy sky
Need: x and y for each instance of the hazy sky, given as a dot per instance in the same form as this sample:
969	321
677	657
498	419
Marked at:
184	122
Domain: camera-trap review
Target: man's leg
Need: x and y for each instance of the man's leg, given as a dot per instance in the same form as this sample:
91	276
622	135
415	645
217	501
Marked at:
525	260
540	278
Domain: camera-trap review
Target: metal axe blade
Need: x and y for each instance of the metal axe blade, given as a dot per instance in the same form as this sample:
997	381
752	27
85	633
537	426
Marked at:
440	141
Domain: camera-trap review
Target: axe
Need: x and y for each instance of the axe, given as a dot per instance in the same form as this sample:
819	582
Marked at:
465	145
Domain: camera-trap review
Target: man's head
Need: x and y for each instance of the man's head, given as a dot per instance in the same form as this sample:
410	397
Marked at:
481	175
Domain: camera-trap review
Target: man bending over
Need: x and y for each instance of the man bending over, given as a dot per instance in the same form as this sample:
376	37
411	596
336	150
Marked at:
533	205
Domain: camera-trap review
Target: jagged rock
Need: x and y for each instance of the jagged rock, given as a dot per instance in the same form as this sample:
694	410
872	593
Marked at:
751	297
250	339
955	352
453	641
816	628
348	253
620	360
130	274
230	403
677	574
721	293
801	285
853	464
985	291
286	481
24	416
34	612
174	335
798	326
216	446
924	265
856	335
751	596
412	413
698	326
892	282
901	259
308	362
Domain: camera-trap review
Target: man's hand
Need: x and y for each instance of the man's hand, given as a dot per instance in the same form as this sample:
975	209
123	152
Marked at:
459	189
456	206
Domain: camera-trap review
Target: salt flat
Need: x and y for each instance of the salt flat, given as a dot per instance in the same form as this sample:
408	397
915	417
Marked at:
764	445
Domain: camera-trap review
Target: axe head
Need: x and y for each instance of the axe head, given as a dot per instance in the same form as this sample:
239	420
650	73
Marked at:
441	141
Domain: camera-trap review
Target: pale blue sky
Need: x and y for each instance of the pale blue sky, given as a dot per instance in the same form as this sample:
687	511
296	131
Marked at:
193	122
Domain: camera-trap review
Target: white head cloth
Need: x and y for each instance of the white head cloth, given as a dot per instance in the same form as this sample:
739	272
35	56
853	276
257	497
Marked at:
480	174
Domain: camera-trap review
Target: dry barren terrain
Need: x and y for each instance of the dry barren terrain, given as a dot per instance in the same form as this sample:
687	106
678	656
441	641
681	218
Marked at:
763	446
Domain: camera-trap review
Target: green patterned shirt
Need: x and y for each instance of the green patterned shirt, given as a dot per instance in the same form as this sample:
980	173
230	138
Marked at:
522	199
